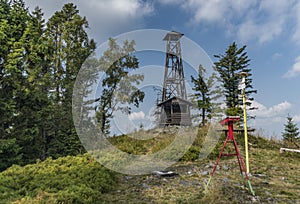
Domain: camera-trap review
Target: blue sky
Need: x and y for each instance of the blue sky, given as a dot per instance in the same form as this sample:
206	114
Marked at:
269	28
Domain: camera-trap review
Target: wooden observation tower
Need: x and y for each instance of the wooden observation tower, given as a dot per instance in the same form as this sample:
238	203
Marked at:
175	109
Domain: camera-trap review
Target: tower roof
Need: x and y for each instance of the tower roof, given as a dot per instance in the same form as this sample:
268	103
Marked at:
173	36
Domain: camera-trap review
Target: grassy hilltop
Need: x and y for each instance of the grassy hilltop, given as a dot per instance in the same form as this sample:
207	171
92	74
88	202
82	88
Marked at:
275	177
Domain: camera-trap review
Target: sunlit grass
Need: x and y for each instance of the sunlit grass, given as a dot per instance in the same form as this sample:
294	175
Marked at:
275	177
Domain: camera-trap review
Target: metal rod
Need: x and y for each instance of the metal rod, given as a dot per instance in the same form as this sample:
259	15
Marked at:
245	126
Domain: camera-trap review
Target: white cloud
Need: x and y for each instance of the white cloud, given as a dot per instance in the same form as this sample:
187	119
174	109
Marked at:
111	17
136	115
276	56
247	20
296	35
270	120
170	1
295	70
274	7
213	10
272	112
216	11
263	32
106	17
266	22
210	11
296	118
118	8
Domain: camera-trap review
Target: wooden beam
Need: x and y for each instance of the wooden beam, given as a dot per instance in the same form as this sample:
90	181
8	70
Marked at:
289	150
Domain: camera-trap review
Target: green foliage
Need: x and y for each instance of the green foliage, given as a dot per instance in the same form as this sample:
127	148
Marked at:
14	19
65	180
192	154
234	111
206	94
291	132
39	62
9	153
118	86
132	145
229	65
202	94
70	47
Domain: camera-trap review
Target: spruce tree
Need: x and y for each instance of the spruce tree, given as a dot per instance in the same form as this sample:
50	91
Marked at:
206	94
71	46
34	121
14	19
38	66
291	132
229	65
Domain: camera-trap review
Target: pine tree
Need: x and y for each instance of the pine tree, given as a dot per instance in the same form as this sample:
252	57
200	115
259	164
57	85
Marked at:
234	61
291	132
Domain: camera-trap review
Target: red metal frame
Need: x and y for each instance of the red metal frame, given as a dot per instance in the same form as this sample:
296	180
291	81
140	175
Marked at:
230	137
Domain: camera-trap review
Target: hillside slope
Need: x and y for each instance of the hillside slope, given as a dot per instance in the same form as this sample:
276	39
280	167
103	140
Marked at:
275	178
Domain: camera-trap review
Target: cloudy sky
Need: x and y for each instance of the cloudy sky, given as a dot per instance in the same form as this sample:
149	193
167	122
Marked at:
269	28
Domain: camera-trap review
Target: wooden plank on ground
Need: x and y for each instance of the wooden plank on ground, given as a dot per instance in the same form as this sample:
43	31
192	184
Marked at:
289	150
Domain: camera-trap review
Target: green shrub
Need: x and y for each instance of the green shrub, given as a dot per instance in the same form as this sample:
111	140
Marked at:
69	179
192	154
